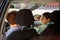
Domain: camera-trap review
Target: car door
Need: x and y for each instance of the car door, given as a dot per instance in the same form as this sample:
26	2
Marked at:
3	8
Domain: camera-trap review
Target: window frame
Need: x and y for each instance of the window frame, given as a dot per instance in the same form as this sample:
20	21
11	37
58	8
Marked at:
4	8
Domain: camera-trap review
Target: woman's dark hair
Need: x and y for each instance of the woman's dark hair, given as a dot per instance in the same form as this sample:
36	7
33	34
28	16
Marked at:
24	17
47	15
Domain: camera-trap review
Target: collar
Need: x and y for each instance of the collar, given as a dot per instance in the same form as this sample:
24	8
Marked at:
14	26
49	23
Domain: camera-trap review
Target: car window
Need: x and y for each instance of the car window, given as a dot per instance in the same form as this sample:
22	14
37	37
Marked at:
1	1
0	6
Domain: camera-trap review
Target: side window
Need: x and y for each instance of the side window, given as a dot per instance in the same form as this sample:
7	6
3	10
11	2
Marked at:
3	8
0	6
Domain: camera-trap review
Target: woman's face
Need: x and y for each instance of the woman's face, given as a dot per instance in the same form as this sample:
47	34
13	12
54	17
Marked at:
44	20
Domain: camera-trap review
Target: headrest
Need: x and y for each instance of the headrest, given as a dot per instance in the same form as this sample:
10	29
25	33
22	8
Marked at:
24	17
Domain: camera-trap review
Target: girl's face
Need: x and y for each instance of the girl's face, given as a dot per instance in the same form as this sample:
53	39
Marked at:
44	20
